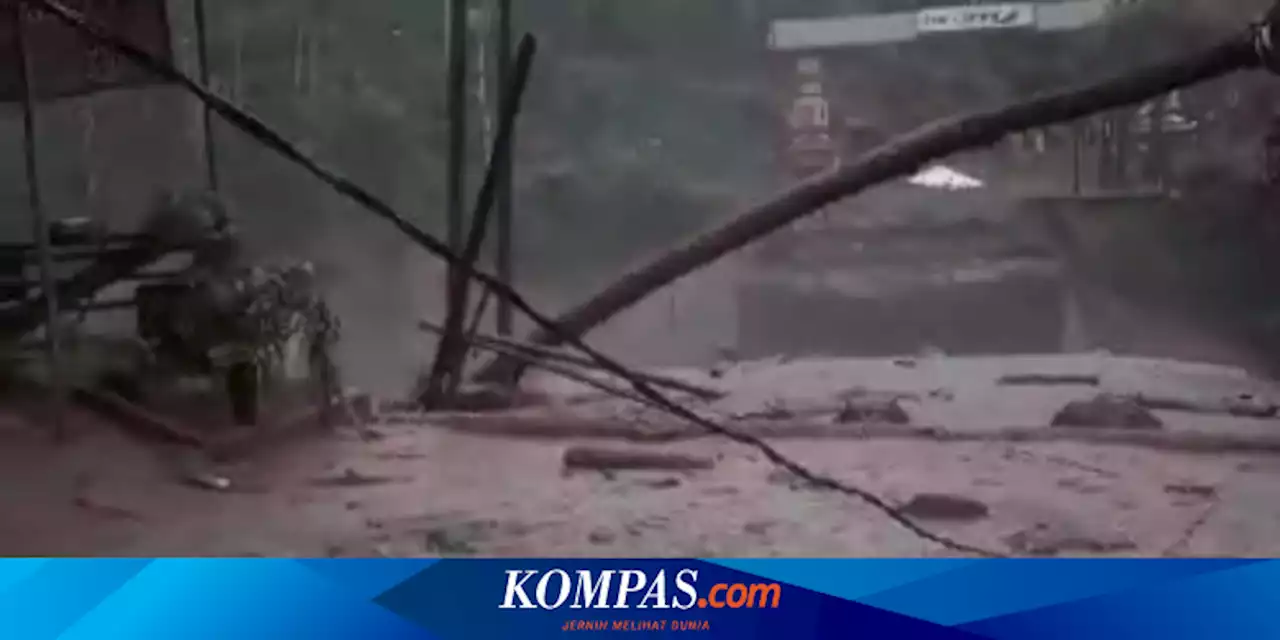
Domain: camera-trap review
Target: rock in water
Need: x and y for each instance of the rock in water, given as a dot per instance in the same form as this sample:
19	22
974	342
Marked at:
940	506
1107	412
887	411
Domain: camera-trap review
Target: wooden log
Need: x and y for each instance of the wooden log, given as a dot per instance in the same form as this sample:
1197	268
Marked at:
136	419
597	459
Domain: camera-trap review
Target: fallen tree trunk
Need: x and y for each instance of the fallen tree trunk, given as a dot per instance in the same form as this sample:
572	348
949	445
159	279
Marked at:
597	459
896	159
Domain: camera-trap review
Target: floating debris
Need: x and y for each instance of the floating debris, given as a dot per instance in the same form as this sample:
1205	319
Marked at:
941	506
1046	539
597	459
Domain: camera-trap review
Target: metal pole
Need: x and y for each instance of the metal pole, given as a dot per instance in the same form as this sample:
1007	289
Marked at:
202	54
505	263
39	225
456	95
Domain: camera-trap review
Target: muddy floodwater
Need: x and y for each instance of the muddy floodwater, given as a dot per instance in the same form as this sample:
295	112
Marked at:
414	489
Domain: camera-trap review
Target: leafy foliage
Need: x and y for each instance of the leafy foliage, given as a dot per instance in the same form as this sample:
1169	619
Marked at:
280	305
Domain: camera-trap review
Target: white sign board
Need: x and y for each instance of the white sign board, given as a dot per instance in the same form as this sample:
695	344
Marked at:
976	17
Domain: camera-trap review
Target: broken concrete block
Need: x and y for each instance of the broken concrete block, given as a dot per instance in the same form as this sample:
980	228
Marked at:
941	506
886	411
1107	412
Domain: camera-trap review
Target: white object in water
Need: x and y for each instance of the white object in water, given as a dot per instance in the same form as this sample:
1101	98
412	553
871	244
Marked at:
942	177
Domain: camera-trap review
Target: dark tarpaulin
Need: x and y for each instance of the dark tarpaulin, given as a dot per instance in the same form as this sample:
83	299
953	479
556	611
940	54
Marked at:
65	63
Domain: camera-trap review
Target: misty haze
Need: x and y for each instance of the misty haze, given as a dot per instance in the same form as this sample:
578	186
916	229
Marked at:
1064	342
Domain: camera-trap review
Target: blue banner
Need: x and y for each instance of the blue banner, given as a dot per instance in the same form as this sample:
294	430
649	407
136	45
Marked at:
242	599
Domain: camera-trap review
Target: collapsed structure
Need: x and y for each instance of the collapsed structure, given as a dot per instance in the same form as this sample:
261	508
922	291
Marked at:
981	256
